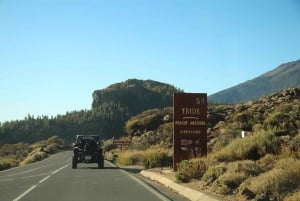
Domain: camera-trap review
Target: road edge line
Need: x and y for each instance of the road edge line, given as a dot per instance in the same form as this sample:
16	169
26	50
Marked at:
144	184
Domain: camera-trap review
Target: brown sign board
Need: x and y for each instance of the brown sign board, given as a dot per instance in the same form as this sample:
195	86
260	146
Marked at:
190	126
121	143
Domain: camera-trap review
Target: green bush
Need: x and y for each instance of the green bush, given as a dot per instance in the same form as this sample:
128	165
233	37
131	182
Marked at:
191	169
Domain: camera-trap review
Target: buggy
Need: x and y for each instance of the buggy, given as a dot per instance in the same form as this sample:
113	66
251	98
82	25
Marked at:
87	149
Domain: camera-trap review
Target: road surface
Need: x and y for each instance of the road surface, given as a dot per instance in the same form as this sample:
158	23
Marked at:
53	179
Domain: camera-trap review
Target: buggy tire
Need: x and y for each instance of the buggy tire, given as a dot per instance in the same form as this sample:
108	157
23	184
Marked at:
101	163
74	162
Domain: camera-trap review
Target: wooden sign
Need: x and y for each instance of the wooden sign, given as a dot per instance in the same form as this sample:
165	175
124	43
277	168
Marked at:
190	126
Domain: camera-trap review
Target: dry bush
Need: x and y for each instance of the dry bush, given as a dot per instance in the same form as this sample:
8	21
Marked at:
214	172
34	156
293	148
7	162
278	182
267	162
293	197
235	173
251	147
13	155
129	157
226	136
156	158
150	158
18	151
191	169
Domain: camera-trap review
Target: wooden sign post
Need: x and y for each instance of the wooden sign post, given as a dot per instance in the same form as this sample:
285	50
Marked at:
190	126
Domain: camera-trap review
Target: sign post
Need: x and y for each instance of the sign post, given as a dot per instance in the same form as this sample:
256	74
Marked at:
190	126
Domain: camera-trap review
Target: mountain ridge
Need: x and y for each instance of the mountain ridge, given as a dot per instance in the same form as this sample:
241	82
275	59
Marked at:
282	77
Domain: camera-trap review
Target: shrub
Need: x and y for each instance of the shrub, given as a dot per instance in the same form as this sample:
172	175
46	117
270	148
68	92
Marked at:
214	172
7	162
237	172
278	182
139	143
33	157
277	121
244	120
251	147
130	157
150	158
226	136
294	146
110	156
156	159
293	197
267	162
191	169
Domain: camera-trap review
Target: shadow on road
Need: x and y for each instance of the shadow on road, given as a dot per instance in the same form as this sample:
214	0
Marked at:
132	169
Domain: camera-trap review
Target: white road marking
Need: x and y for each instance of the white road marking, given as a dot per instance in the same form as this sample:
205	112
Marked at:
144	184
56	171
41	181
19	178
25	193
45	179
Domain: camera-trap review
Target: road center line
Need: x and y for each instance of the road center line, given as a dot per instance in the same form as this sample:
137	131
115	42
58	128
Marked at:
25	193
44	179
56	171
41	181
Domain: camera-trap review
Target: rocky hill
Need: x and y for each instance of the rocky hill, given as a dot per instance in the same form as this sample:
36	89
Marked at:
136	95
284	76
278	112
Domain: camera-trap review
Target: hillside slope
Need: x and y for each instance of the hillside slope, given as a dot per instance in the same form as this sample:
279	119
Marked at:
136	95
284	76
263	164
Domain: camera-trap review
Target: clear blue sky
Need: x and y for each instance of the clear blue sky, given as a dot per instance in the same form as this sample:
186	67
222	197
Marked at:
55	53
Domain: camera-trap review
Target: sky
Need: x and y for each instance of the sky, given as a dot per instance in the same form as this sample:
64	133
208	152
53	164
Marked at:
55	53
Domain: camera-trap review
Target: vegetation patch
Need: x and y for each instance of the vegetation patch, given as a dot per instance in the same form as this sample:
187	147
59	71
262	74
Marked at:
191	169
277	183
157	159
253	147
150	158
13	155
128	157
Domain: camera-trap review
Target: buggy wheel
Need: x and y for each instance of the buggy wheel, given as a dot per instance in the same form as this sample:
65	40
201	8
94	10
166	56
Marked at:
101	162
74	162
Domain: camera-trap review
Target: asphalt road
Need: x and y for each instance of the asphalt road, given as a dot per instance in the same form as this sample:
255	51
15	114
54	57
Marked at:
53	179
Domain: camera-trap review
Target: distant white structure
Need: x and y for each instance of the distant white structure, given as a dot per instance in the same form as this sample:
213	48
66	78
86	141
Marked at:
243	133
